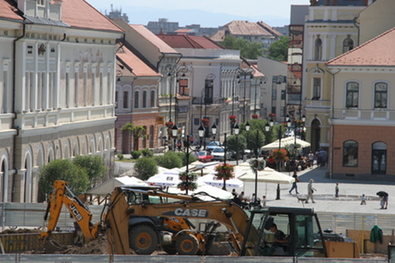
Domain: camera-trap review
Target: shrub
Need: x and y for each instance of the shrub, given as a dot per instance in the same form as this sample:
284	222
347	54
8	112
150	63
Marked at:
120	156
145	167
94	166
147	152
183	157
135	154
169	160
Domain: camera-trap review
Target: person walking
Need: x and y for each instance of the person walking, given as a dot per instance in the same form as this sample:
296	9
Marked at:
311	156
294	184
310	191
363	199
337	190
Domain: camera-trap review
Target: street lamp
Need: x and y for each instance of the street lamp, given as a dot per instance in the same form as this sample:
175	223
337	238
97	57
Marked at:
296	126
236	130
214	130
279	144
248	126
174	131
201	132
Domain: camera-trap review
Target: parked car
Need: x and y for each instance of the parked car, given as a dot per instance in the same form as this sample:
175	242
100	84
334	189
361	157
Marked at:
219	153
205	156
212	145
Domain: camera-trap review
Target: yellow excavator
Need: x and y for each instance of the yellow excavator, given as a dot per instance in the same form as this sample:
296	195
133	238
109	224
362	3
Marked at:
141	219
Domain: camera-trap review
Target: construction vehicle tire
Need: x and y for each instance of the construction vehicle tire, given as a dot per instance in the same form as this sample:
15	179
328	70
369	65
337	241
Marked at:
187	244
170	249
143	239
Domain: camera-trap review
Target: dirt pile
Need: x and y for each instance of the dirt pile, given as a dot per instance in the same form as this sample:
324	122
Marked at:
97	246
20	231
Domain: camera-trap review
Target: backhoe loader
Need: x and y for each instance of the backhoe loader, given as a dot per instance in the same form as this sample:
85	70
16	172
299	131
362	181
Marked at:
139	220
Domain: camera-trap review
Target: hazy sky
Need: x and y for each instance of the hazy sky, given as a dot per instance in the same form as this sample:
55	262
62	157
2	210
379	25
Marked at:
140	12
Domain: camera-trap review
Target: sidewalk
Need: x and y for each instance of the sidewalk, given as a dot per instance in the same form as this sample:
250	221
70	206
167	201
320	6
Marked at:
348	201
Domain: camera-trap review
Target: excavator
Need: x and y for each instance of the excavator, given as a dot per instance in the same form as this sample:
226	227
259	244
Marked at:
139	220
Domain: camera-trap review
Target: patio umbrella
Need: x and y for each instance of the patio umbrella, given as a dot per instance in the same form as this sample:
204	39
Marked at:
211	179
204	188
108	186
285	141
382	194
168	178
268	175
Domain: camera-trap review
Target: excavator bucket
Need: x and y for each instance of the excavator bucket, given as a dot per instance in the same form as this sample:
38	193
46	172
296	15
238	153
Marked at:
51	246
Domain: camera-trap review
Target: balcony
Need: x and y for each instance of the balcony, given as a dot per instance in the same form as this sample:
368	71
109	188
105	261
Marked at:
200	100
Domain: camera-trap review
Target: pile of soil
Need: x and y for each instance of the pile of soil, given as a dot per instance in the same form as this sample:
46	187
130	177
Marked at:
20	231
97	246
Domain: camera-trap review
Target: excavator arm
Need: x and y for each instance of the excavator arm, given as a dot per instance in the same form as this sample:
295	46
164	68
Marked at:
60	196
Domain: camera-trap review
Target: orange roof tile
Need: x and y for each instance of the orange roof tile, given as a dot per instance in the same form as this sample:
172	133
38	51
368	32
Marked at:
131	60
79	13
8	10
186	41
151	37
378	51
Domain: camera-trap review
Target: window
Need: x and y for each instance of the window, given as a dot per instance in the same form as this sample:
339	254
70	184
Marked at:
183	87
379	158
352	91
350	153
136	99
318	49
144	99
380	95
152	98
348	44
316	89
125	99
151	136
208	92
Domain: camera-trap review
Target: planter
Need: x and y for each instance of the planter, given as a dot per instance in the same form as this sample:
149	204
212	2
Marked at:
224	171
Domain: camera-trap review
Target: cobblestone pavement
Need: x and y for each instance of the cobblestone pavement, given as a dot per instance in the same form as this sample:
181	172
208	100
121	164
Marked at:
350	191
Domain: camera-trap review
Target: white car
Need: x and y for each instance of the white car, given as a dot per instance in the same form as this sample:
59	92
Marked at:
219	152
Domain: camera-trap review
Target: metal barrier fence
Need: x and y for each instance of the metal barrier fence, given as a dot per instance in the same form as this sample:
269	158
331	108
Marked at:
17	258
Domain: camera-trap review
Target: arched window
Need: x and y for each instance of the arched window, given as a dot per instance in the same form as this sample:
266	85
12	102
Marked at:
380	95
318	49
144	99
152	104
136	99
350	153
352	94
348	44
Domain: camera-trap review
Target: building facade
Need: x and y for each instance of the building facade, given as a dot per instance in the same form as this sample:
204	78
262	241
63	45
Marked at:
57	89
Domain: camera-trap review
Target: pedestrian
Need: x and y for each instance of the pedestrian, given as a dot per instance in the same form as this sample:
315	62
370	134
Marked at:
310	191
294	184
319	160
311	159
234	193
337	190
363	199
384	199
263	202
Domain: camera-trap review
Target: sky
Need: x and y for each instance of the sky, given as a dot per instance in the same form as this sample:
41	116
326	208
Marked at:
207	13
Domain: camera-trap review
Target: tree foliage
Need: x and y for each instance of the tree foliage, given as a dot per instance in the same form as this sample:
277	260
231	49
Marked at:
183	157
63	169
136	131
251	50
145	167
279	49
169	160
94	166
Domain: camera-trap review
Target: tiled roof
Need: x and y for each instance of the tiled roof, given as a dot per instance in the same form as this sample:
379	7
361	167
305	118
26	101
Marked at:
378	51
186	41
79	13
238	27
8	10
151	37
269	29
132	61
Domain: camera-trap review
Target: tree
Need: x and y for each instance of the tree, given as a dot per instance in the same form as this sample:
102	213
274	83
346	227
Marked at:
63	169
136	131
279	49
237	145
169	160
145	167
183	157
94	166
247	49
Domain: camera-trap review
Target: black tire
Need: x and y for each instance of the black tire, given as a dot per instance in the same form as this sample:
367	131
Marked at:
170	249
187	244
143	239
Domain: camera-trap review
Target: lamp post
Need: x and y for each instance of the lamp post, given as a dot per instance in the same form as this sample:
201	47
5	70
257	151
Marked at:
224	187
279	146
236	131
201	132
174	131
256	159
297	125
